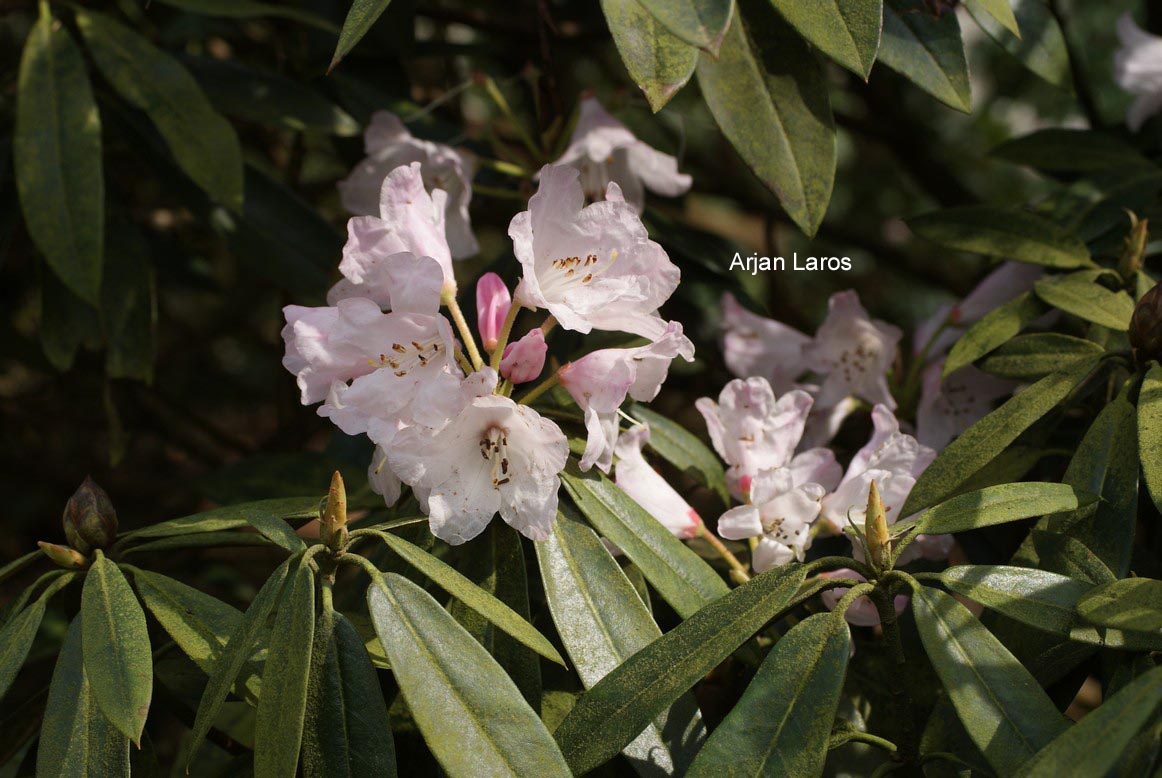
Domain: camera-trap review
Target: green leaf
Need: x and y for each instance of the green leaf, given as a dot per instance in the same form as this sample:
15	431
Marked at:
624	702
275	529
1041	47
472	595
251	9
602	622
925	48
1035	597
1005	712
848	31
19	632
1032	357
1080	294
1069	556
1059	150
76	740
659	62
66	323
991	435
700	23
1000	10
230	517
118	662
682	578
1002	232
769	96
203	143
201	540
782	723
993	330
360	17
56	156
237	652
278	727
996	505
471	714
19	564
1095	745
1131	604
682	449
1150	431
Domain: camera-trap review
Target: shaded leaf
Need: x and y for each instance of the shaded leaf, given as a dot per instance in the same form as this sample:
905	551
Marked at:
128	305
658	61
230	517
1060	150
1081	295
1032	357
360	17
1131	604
848	31
66	323
701	23
993	330
925	48
1041	47
19	632
1002	232
251	9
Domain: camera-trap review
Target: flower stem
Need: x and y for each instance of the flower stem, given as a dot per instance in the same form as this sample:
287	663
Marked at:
538	390
737	568
465	332
505	332
462	360
548	324
881	596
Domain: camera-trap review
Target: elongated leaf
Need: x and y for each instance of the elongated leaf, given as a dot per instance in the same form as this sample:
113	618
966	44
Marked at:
658	61
237	651
782	723
1000	11
993	330
49	581
1035	597
997	505
1000	232
360	17
473	596
602	622
19	564
1032	357
769	96
1041	47
278	727
1005	712
701	23
624	702
679	575
251	9
925	48
76	740
203	143
471	714
1095	745
1131	604
201	540
1058	150
1069	556
19	632
991	435
1150	431
230	517
56	154
848	31
682	449
1077	293
276	530
118	662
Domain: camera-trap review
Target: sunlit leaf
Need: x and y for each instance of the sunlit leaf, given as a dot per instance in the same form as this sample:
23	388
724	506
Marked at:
1131	604
19	632
1038	598
682	449
1150	431
658	61
701	23
999	232
1000	10
848	31
1080	294
996	505
360	17
993	330
1032	357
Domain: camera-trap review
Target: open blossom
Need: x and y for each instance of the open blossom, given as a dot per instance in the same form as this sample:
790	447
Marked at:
492	305
388	145
862	611
757	346
493	456
603	150
592	267
410	221
853	352
1138	70
780	514
949	406
637	478
523	360
382	479
600	381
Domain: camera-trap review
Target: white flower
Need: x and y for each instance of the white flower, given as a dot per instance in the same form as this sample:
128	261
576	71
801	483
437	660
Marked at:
854	352
780	515
862	611
949	406
591	267
493	456
381	478
757	346
1138	70
603	150
634	475
389	145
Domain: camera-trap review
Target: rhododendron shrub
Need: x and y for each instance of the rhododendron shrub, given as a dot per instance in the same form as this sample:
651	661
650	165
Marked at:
546	485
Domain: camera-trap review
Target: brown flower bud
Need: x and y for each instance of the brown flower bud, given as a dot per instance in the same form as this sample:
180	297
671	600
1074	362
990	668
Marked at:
90	520
65	557
333	521
1134	247
876	529
1146	326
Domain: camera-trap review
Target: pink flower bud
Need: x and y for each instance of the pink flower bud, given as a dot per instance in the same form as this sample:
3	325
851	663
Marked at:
492	304
524	359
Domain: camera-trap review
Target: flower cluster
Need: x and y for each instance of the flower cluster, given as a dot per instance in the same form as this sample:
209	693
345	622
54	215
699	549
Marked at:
393	357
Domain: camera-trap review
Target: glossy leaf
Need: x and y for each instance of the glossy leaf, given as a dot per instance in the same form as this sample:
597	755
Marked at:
624	702
471	714
56	155
701	23
993	330
1060	150
1150	431
848	31
230	517
683	579
252	9
1081	295
1005	712
1001	232
118	662
782	723
1035	597
1041	47
1131	604
1032	357
925	47
991	435
768	94
658	61
996	505
203	143
360	17
999	10
602	622
682	449
19	632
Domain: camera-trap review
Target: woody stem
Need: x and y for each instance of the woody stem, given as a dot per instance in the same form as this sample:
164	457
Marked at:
449	300
737	567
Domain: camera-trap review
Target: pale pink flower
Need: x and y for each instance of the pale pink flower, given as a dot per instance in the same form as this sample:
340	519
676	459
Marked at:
949	406
634	475
756	346
1008	281
853	352
780	514
1138	70
603	150
525	359
388	145
600	381
381	478
492	305
592	267
862	611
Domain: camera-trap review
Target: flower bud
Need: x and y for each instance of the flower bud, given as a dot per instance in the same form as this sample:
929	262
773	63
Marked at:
1146	326
65	557
492	304
89	518
524	360
876	529
1134	247
333	522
